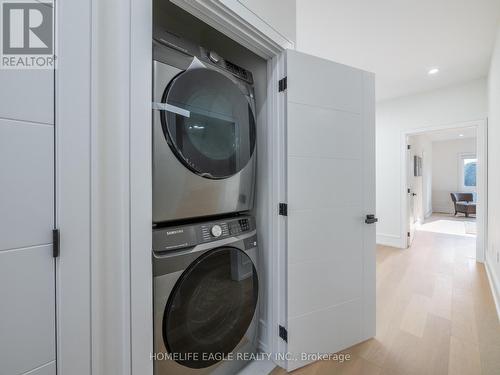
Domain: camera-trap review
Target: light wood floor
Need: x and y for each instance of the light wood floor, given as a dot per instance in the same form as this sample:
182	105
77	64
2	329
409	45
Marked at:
435	314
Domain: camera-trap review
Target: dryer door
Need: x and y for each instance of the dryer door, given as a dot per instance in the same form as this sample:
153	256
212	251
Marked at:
209	123
211	307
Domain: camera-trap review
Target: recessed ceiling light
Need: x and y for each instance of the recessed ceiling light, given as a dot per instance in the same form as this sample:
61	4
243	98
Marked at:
460	135
433	71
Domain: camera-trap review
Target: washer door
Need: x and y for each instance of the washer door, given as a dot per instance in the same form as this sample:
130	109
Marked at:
211	307
210	125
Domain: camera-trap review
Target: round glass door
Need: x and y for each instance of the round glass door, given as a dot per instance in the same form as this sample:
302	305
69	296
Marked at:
211	307
209	123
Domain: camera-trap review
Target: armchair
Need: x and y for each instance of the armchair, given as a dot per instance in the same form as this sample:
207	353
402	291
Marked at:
464	203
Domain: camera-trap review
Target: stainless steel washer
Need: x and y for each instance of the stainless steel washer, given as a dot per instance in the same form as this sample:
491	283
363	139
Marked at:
204	132
206	288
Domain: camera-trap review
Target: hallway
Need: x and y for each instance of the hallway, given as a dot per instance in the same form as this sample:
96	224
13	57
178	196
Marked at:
435	314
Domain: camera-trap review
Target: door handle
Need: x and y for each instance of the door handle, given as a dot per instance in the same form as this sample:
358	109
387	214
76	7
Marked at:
370	219
413	194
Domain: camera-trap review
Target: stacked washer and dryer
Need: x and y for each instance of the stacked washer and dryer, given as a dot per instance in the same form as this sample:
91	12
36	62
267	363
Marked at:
205	271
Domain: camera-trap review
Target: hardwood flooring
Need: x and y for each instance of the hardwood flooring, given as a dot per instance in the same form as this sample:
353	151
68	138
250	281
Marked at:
435	314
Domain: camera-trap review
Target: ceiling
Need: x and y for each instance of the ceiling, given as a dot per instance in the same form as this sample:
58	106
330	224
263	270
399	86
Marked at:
451	134
400	40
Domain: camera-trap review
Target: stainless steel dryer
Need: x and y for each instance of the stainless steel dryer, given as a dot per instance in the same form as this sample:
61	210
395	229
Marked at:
206	288
204	132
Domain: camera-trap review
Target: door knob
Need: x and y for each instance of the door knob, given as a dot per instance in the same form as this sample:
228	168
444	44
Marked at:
413	194
370	219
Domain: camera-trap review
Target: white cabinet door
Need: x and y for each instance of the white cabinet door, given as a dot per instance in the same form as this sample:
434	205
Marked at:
27	311
330	189
27	185
27	269
410	181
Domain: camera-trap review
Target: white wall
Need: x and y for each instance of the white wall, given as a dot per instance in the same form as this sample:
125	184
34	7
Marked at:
493	248
455	104
421	146
445	171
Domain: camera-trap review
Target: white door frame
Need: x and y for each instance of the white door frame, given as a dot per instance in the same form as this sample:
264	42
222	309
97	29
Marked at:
482	178
73	164
409	163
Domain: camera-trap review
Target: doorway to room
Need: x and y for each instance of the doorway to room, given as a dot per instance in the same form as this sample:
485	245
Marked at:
445	184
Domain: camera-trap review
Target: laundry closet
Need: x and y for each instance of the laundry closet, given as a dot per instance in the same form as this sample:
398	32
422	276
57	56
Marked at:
263	183
209	196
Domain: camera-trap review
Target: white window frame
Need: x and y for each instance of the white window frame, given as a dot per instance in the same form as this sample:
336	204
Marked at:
461	186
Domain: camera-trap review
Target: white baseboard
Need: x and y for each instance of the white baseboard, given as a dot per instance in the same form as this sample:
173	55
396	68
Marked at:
494	286
389	240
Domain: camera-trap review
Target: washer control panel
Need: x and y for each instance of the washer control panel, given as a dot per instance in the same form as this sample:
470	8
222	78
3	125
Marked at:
216	230
232	68
240	226
213	231
190	235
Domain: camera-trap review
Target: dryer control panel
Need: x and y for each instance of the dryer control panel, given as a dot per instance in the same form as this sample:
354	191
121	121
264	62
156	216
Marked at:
190	235
236	70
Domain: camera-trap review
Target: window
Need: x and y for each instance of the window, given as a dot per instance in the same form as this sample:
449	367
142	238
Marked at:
467	172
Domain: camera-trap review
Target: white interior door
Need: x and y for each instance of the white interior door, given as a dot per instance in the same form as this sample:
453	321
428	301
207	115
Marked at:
27	283
410	194
330	189
27	270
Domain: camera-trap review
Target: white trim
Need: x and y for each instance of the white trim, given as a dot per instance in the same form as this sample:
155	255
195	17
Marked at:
110	219
240	24
263	340
482	156
494	286
277	290
482	190
389	240
73	185
141	290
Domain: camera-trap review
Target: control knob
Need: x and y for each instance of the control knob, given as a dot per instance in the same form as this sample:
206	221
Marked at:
216	231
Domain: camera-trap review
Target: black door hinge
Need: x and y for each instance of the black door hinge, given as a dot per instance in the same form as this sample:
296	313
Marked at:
408	191
282	84
283	333
408	234
55	243
283	209
408	147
